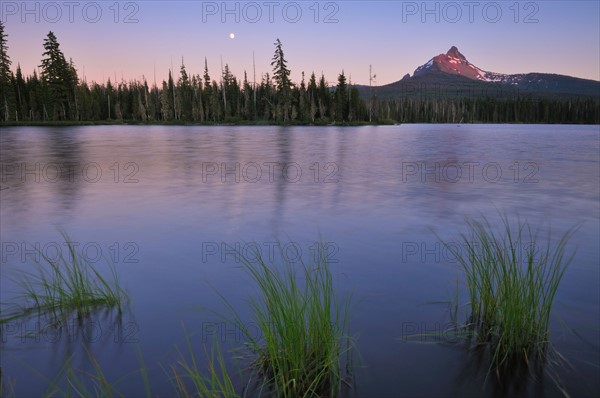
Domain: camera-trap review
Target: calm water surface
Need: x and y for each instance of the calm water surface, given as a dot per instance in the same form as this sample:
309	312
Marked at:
164	203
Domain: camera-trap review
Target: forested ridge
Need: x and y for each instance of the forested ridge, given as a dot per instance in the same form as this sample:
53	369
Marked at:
58	94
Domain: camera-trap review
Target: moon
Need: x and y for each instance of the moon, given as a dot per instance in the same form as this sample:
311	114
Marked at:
232	36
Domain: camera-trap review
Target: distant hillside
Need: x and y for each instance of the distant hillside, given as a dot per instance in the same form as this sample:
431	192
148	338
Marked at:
452	76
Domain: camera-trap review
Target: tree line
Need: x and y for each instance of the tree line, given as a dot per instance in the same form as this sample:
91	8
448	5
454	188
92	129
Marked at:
57	94
490	110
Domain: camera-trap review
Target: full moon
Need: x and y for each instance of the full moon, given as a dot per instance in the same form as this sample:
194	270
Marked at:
232	36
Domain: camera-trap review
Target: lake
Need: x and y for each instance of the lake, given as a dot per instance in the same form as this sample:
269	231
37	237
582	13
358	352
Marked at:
166	205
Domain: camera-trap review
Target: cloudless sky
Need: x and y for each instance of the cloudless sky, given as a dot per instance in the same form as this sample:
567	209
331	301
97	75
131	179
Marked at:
395	37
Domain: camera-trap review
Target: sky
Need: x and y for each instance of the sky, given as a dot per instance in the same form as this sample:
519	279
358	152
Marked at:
135	39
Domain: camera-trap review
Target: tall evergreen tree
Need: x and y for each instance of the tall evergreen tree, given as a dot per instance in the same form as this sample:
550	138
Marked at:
197	103
6	79
323	98
303	100
173	111
21	95
71	83
312	94
230	89
248	105
185	94
281	73
165	102
207	82
5	61
207	93
281	76
341	98
56	76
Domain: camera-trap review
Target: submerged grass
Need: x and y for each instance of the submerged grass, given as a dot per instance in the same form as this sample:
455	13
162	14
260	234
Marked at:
66	285
7	388
303	327
512	278
90	384
188	377
77	382
218	383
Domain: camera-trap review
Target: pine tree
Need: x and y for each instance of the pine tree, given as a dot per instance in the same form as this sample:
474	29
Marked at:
6	80
303	101
230	90
21	93
215	102
358	110
173	111
56	77
312	94
341	98
281	76
197	104
71	83
206	75
248	104
207	93
5	61
185	94
281	73
165	102
323	98
110	100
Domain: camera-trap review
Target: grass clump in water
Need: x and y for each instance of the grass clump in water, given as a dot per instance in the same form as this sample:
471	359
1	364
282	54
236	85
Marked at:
303	327
217	383
66	285
512	279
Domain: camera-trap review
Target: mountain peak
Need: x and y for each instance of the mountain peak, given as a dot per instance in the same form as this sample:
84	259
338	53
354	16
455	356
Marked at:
453	63
454	53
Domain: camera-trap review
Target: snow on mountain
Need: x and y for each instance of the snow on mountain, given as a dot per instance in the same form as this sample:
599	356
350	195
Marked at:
451	69
455	63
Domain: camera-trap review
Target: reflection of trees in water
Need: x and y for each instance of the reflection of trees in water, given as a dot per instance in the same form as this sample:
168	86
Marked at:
65	150
285	149
320	177
39	173
342	149
13	194
187	155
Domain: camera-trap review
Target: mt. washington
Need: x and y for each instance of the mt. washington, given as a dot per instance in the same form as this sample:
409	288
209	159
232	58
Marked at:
451	74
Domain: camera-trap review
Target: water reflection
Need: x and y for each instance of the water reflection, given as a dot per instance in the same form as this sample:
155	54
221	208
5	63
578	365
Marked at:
373	166
65	151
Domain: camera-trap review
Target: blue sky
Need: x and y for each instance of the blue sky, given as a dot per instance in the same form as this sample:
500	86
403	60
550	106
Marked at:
393	36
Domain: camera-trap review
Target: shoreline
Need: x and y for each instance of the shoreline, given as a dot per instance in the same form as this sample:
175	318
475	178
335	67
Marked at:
257	123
